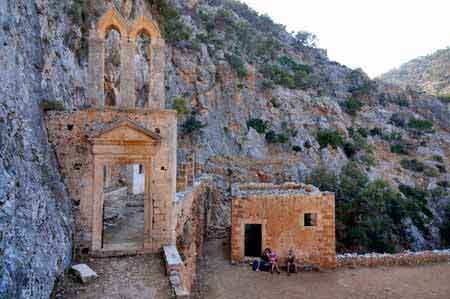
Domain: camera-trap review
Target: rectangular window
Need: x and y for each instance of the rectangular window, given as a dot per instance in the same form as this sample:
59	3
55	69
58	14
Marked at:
141	169
310	219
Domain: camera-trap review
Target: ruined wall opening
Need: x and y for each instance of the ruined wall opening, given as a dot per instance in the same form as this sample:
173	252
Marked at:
143	64
112	65
123	207
253	240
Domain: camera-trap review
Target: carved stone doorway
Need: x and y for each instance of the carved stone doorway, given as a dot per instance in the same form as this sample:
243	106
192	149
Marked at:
124	143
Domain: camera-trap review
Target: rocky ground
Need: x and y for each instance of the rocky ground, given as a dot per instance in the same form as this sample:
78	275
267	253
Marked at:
119	278
223	280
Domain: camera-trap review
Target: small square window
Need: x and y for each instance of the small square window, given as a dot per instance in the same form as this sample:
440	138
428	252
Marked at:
310	219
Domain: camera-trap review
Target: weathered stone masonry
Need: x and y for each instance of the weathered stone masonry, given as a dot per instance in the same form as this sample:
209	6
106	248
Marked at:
128	33
70	133
280	210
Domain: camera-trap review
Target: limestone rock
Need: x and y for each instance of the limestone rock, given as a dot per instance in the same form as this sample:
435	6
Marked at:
84	273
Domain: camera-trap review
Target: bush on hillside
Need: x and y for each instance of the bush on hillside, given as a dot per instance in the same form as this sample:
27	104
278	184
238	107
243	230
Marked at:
192	125
327	137
172	26
52	105
413	165
273	137
352	106
180	105
258	124
421	125
399	148
237	64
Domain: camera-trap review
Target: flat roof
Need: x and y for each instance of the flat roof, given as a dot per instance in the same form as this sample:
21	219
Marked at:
269	189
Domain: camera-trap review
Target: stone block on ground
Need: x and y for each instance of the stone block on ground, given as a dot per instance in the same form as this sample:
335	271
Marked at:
84	273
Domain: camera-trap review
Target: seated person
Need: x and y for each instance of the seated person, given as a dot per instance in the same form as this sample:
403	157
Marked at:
291	266
263	263
274	262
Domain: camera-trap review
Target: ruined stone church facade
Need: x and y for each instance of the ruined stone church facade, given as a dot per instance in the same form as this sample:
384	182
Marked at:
90	142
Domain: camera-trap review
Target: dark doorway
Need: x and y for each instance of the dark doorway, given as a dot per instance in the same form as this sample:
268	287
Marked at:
253	243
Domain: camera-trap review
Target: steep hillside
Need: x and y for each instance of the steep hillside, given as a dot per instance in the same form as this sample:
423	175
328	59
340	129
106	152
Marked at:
255	103
430	73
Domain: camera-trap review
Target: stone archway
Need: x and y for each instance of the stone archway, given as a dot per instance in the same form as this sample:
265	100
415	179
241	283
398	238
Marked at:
126	143
129	33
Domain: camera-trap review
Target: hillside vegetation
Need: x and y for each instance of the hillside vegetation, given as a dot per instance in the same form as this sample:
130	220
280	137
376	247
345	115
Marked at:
429	73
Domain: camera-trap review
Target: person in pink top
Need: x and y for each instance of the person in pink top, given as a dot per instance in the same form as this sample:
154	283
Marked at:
274	262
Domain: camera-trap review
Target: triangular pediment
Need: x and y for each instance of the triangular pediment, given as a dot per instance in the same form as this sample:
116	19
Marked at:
125	131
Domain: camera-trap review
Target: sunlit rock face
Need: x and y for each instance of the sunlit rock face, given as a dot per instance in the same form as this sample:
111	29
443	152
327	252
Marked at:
112	68
142	63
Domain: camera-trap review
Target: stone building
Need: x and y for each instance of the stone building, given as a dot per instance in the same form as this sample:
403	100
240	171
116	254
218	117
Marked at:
117	144
283	217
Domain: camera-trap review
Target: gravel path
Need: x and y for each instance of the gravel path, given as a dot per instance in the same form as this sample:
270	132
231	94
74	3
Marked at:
223	280
120	278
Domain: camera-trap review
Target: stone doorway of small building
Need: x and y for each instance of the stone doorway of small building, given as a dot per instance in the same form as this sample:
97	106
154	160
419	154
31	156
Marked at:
123	207
253	240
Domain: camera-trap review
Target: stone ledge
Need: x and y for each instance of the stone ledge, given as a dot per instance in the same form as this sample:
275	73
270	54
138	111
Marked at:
175	270
398	259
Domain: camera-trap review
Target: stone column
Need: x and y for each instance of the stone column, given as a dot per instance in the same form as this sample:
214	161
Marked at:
96	70
97	209
157	71
148	206
127	74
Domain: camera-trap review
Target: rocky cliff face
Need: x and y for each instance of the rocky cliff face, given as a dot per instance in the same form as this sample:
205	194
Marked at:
255	104
35	214
430	73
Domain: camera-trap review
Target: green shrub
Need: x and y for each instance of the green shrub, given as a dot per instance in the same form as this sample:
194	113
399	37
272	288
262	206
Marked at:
350	149
402	102
327	137
398	120
444	184
413	165
430	172
172	26
288	73
422	125
368	159
416	206
278	75
258	124
441	168
352	106
324	179
399	148
444	98
52	105
297	148
237	64
376	131
180	105
273	137
438	158
192	125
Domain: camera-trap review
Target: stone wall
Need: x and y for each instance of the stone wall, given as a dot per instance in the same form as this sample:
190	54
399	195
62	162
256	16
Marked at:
69	133
280	210
399	259
190	210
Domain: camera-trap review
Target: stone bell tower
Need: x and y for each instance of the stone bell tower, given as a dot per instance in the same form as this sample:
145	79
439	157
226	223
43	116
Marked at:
128	45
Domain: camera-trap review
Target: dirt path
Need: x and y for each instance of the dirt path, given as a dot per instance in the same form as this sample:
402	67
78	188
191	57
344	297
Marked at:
120	278
223	280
